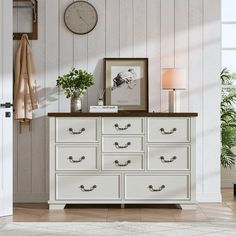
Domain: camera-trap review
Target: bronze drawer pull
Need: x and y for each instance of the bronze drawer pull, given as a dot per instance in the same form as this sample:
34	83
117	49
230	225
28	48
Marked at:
83	189
156	190
168	161
125	146
125	164
124	128
76	132
76	161
168	132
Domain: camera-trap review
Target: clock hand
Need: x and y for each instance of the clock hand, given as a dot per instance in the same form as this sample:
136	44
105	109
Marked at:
80	17
84	21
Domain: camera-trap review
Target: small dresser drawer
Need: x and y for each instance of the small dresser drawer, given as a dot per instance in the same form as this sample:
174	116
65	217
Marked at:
123	125
87	187
168	130
73	129
168	157
157	187
123	144
122	161
69	157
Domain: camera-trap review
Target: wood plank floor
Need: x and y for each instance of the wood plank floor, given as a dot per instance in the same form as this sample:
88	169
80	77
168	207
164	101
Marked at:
225	211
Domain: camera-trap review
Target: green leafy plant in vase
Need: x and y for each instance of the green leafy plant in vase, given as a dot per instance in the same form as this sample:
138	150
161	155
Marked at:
75	85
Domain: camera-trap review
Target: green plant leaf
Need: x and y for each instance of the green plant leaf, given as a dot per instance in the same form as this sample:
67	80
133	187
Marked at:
75	83
228	119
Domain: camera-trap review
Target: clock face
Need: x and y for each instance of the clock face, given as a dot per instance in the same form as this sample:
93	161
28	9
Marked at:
81	17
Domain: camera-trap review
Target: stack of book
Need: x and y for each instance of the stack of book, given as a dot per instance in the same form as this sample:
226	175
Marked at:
104	109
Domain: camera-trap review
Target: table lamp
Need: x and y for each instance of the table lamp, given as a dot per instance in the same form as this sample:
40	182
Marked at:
173	79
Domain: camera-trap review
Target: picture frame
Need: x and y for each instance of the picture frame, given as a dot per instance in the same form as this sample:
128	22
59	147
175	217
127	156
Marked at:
126	83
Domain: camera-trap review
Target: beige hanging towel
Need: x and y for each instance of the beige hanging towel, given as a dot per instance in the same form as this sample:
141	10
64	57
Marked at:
25	93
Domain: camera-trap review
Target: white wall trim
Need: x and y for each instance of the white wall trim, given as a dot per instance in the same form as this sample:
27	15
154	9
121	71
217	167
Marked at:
209	197
6	150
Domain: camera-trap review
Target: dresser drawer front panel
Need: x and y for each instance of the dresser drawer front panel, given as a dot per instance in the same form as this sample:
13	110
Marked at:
122	161
168	157
157	187
87	187
76	129
70	157
168	130
123	143
123	125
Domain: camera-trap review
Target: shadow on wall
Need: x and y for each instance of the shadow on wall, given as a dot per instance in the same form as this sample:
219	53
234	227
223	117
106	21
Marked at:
52	95
31	161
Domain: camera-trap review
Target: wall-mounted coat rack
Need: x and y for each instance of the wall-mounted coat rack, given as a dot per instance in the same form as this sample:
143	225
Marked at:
31	4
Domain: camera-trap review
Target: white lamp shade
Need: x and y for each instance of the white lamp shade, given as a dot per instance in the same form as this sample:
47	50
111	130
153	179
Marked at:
174	79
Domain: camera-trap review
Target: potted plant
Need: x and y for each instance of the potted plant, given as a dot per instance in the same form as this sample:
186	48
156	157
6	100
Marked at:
75	85
228	119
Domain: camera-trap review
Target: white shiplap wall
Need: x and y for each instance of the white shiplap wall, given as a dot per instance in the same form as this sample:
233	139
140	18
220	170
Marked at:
181	33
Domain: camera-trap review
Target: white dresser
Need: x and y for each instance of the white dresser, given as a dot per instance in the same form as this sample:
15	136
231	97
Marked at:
126	158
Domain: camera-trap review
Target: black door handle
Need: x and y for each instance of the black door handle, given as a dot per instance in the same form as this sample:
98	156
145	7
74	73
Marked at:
6	105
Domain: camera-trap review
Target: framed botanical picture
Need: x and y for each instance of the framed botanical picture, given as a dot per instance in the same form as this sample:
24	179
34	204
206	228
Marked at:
126	83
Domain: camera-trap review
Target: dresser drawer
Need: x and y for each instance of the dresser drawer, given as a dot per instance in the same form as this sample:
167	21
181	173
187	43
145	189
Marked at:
168	157
70	157
168	129
75	129
122	161
122	125
87	187
157	187
123	144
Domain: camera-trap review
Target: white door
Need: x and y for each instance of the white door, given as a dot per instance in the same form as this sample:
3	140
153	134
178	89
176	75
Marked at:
6	137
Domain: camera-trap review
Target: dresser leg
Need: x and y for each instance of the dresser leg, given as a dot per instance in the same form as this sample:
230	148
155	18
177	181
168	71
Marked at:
188	206
56	206
122	206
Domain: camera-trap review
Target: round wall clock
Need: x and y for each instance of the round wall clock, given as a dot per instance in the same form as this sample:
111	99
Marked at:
80	17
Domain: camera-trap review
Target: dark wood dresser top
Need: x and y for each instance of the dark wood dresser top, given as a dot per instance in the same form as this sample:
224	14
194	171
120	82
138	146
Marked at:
124	114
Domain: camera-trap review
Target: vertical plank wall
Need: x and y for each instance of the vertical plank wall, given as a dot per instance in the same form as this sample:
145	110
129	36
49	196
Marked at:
171	33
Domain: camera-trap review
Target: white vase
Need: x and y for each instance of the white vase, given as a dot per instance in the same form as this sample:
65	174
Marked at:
75	104
100	102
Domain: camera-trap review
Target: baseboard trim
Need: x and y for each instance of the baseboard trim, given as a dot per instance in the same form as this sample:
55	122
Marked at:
43	197
209	197
30	197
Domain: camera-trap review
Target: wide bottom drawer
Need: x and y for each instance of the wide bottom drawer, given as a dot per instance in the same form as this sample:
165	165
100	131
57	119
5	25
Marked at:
77	187
157	187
